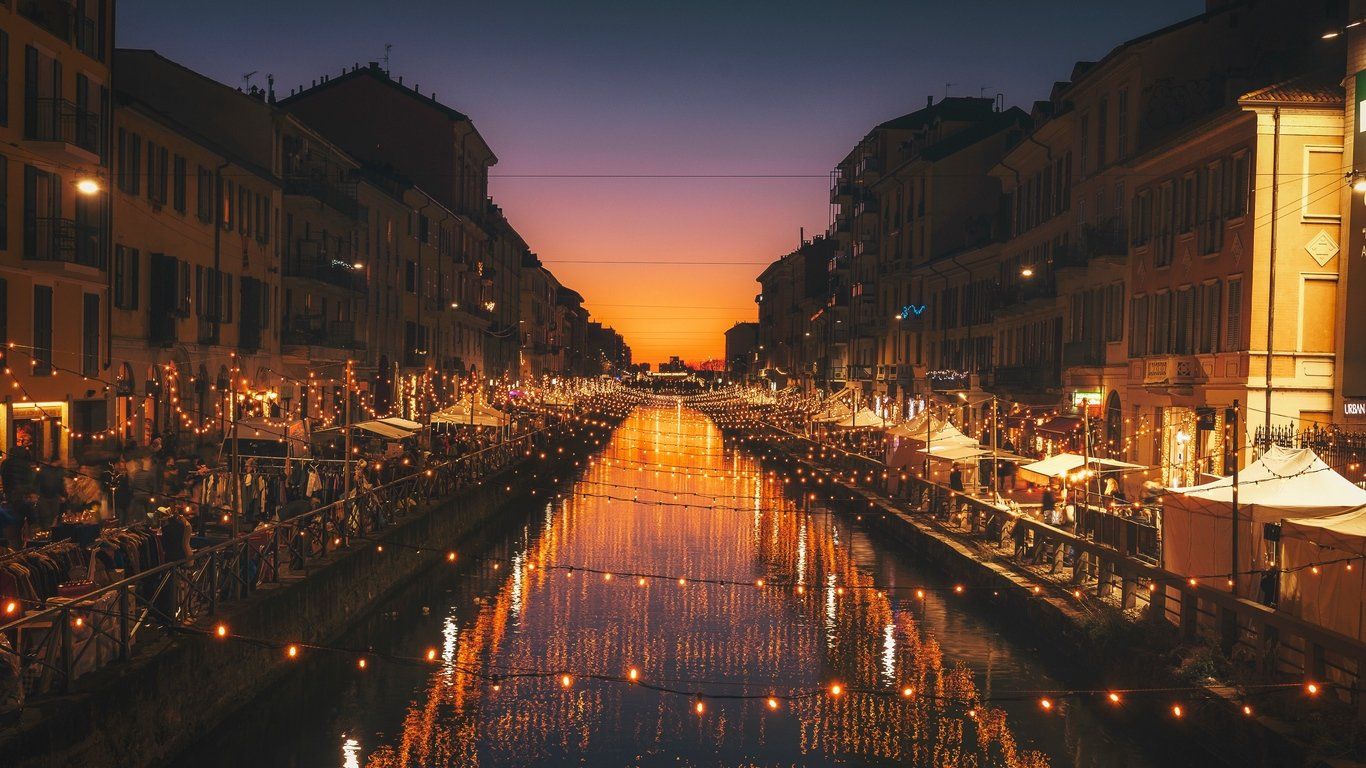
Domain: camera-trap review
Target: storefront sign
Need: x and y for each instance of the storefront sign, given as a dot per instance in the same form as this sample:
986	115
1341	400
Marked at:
1357	408
1083	397
1354	344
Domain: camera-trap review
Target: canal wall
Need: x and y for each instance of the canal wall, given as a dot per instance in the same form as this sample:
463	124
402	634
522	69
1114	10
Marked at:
1075	642
141	713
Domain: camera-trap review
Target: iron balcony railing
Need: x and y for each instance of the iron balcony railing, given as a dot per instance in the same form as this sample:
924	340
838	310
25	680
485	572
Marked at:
57	642
52	238
50	119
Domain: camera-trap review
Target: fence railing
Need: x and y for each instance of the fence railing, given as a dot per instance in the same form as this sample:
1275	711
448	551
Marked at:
67	637
1261	643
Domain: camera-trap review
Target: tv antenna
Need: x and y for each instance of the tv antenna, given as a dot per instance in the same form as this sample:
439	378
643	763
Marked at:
247	76
387	47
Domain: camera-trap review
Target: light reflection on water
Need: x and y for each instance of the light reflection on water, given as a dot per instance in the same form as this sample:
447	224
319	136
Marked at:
717	640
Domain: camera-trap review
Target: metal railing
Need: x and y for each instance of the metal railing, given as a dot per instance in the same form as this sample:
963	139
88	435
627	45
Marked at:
52	119
67	637
52	238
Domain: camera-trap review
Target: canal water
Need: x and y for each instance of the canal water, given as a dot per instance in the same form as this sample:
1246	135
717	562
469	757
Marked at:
588	585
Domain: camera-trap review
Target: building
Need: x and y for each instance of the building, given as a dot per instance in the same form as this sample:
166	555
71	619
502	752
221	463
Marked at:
607	350
401	131
742	347
195	276
55	245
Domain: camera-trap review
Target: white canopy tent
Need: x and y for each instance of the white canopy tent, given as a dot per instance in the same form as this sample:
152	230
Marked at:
1063	464
1335	597
864	418
905	450
408	424
465	413
1285	483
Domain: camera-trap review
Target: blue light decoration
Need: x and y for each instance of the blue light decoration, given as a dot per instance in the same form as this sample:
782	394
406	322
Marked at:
912	310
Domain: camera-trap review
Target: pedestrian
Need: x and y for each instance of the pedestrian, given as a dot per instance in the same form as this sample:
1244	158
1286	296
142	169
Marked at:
956	479
51	483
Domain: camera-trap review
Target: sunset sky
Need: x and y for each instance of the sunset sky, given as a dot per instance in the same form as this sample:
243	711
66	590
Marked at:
599	111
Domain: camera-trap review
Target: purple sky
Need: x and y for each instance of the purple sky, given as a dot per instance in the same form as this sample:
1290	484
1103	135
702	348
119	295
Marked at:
724	88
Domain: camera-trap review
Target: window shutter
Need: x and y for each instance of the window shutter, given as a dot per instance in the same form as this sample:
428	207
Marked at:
1233	335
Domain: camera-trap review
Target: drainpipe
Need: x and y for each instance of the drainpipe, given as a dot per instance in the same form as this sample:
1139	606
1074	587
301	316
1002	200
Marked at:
1271	281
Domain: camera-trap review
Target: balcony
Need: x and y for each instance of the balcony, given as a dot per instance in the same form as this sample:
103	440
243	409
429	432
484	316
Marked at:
843	228
56	239
61	122
1027	295
338	196
1108	240
842	192
208	330
1083	354
865	210
313	261
1024	377
839	263
314	331
1172	371
860	373
868	170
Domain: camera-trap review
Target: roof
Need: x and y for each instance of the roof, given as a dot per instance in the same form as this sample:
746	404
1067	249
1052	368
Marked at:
374	72
1312	88
1284	482
947	108
969	136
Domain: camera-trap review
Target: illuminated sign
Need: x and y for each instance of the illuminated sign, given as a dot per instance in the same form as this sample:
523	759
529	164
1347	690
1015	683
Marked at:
1087	397
1353	360
911	310
1354	409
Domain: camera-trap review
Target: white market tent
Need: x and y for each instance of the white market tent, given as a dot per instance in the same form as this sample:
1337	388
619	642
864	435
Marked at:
465	413
1062	464
916	426
864	418
1285	483
1335	597
408	424
908	449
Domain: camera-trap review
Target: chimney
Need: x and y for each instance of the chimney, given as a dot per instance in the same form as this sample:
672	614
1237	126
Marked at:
373	64
929	100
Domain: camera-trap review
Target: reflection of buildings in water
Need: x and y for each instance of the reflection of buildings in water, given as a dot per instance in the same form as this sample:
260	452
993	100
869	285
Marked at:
737	639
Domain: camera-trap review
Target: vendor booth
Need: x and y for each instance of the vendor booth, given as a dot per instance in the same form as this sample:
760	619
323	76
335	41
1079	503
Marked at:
1285	483
1324	574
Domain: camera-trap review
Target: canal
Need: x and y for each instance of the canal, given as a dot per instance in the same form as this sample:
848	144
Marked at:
653	562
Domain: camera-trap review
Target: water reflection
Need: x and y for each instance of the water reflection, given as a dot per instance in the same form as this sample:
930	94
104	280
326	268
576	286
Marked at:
716	640
645	506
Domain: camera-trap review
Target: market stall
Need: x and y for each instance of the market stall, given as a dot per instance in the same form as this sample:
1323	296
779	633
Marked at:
1323	577
1285	483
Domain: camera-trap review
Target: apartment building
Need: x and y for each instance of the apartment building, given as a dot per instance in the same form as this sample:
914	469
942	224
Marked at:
194	280
388	125
54	226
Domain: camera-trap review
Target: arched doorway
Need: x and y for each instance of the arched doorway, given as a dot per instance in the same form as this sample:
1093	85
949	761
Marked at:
1114	426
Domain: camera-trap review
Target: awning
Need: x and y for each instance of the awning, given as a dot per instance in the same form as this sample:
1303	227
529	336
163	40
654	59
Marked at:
462	418
965	452
386	431
1060	425
394	421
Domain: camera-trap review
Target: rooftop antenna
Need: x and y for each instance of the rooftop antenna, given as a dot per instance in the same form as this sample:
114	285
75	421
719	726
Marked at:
946	89
982	91
387	47
247	76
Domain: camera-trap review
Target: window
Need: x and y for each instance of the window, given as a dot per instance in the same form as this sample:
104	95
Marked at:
130	162
1162	226
203	192
1233	330
1138	326
1102	127
178	183
1185	322
1237	189
4	205
1318	314
1210	317
1085	145
1162	323
156	173
227	214
4	77
1114	312
42	330
410	277
1122	124
90	335
243	210
1211	193
126	276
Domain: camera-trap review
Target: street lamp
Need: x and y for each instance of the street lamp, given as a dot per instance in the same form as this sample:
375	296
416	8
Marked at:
1027	272
88	187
